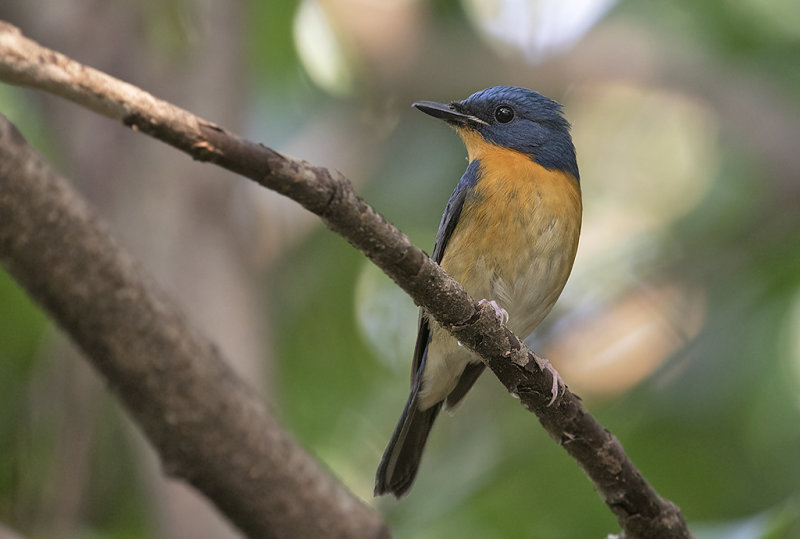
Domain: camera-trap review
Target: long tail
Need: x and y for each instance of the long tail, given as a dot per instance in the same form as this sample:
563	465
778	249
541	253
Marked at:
400	461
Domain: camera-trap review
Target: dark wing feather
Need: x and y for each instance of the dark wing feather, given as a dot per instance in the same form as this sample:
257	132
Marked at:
400	461
449	221
453	210
465	382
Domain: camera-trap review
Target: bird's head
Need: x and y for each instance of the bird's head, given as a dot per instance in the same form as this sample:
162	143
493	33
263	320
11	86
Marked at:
510	117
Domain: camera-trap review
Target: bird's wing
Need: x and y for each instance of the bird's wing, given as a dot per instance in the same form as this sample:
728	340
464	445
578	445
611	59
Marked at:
453	210
449	221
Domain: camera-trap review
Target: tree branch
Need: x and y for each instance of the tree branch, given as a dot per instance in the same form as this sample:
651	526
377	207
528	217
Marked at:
208	426
640	511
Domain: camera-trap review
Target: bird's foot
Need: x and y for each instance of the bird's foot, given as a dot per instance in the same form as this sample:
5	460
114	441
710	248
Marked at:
499	312
558	382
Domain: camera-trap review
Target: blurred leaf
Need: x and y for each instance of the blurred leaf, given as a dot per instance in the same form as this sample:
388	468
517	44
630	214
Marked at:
324	367
168	27
386	317
21	330
782	522
270	42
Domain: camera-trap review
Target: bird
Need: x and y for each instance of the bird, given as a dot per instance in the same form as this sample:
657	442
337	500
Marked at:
509	235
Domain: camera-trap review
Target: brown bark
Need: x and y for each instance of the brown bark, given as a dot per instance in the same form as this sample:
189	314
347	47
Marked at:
194	234
209	427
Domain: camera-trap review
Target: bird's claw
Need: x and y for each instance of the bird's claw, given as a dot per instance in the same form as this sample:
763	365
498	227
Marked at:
499	312
558	382
544	365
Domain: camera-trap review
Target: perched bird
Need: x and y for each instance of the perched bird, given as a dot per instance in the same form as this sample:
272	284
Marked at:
509	235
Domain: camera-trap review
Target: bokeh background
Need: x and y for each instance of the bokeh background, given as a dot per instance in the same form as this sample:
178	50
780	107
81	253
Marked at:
680	326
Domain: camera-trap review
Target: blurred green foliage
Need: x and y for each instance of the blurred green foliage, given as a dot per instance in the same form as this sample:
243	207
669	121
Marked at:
715	426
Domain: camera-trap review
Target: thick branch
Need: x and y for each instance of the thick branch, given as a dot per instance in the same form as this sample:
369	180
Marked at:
209	427
640	511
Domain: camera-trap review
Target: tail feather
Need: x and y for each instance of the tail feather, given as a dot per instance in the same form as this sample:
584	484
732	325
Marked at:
400	461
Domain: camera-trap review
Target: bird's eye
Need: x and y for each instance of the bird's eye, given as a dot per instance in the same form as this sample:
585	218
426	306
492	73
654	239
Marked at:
504	114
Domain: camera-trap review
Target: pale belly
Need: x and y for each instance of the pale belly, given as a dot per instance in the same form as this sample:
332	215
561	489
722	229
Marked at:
520	259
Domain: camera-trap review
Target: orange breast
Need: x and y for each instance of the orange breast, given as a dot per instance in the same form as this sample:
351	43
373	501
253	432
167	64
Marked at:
514	243
517	235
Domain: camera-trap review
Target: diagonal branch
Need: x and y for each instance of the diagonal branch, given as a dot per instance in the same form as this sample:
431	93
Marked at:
640	511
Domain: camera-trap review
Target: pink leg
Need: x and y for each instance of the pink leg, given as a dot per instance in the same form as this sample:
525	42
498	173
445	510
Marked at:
499	312
543	364
558	382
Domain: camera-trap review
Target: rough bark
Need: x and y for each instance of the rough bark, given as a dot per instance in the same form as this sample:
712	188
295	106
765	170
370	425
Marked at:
208	426
199	237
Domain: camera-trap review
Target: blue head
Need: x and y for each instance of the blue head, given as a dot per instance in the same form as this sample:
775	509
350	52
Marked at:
515	118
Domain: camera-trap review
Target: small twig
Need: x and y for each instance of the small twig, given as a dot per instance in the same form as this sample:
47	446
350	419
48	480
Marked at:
640	511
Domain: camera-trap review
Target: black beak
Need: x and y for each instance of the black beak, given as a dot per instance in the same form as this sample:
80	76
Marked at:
447	113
